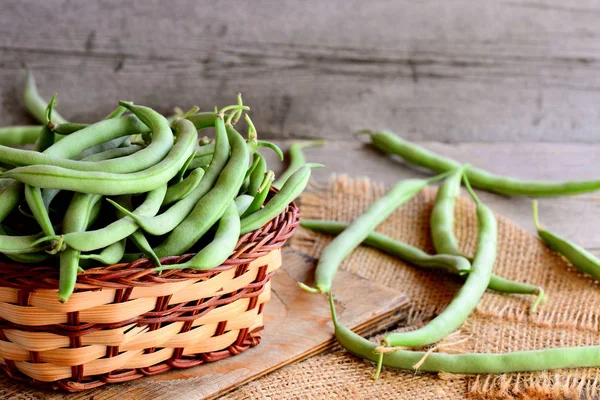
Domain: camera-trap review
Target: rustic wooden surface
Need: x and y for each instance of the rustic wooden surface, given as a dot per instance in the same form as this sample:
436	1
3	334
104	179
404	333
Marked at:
297	326
512	86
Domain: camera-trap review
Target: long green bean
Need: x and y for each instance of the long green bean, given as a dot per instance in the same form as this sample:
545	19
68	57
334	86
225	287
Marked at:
414	154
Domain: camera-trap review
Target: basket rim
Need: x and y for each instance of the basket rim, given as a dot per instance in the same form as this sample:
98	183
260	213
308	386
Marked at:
250	247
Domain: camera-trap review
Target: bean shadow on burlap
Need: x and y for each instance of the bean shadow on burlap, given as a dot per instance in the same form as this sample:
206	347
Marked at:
501	323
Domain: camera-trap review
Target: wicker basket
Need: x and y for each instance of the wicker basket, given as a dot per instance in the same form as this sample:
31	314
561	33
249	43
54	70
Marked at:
125	321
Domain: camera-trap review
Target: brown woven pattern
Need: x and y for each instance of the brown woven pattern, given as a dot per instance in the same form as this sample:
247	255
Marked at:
501	323
126	321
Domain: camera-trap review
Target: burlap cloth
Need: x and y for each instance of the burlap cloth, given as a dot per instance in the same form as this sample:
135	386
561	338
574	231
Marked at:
501	323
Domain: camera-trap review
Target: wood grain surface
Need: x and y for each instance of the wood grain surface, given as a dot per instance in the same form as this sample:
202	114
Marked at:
496	70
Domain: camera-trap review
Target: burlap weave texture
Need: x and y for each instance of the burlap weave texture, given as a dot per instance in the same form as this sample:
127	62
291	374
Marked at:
501	323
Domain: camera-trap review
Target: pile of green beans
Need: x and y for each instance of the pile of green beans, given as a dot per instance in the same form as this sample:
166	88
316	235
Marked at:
135	184
397	350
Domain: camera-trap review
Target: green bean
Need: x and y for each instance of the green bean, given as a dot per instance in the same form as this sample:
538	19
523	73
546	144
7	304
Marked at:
33	196
168	220
242	203
278	203
117	230
263	143
261	196
183	188
444	241
472	363
75	220
580	258
211	207
96	134
359	229
35	104
142	244
403	251
297	160
19	135
258	175
111	154
46	137
117	112
221	247
111	254
479	178
105	183
10	197
145	158
249	171
467	298
18	244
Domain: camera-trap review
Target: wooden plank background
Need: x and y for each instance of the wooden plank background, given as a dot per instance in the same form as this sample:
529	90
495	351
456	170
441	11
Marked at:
508	85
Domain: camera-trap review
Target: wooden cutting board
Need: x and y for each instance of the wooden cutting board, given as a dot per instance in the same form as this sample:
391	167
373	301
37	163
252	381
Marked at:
297	326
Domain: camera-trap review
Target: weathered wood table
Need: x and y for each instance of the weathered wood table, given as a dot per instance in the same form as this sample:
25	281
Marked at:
512	86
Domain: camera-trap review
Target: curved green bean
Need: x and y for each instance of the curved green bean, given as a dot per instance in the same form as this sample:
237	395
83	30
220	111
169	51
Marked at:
105	183
35	104
479	178
297	159
19	135
359	229
46	137
211	207
118	230
242	202
261	196
444	240
221	247
257	176
167	221
292	189
472	363
33	197
403	251
110	255
142	244
467	298
183	188
580	258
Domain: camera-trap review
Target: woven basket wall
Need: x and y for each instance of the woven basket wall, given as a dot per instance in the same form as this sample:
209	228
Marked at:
126	321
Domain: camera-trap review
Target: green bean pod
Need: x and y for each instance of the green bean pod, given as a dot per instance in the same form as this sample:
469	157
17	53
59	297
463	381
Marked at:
403	251
46	137
110	255
444	240
471	363
167	221
142	244
242	202
183	188
221	247
118	230
35	104
469	294
212	206
261	196
297	160
75	220
111	184
258	175
359	229
19	135
33	196
416	155
278	203
580	258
